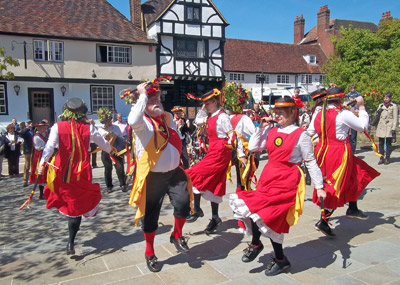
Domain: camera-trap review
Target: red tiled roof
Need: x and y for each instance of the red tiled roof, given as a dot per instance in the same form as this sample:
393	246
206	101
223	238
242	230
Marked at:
83	19
256	56
335	24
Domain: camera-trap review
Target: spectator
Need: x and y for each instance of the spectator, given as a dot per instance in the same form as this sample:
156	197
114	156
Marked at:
122	125
15	124
26	135
12	150
386	129
2	146
352	95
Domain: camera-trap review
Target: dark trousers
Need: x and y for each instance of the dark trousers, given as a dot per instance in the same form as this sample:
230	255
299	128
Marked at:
353	140
184	157
388	142
236	162
173	183
93	146
13	163
119	168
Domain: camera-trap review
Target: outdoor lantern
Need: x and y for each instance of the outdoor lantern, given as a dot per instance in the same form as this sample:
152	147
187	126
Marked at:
16	89
63	90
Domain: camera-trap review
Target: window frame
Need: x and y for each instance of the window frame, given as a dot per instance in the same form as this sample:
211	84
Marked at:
266	76
111	51
48	50
306	79
193	7
322	78
5	98
279	78
94	107
234	76
187	51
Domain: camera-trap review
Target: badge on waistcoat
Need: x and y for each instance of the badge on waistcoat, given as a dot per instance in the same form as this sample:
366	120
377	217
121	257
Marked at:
278	141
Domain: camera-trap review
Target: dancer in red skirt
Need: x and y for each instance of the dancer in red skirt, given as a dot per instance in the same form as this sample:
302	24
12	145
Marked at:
209	175
39	142
346	175
278	200
69	183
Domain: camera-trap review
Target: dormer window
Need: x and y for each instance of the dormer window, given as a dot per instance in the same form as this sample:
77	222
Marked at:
310	58
193	13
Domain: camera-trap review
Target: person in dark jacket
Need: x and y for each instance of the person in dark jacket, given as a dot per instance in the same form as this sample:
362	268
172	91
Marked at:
26	134
12	150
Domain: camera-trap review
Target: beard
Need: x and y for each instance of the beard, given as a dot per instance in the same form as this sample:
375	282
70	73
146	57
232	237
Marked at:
155	111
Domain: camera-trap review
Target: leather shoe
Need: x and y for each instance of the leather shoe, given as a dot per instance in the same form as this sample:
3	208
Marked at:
323	226
124	188
70	248
180	244
25	184
213	225
276	267
356	214
251	252
152	264
387	161
381	160
194	216
109	189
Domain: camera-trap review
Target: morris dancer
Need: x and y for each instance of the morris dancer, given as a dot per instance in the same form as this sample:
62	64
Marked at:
183	131
39	142
209	175
346	175
278	200
158	148
69	185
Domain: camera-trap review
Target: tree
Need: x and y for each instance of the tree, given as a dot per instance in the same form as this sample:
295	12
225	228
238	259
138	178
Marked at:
6	61
370	61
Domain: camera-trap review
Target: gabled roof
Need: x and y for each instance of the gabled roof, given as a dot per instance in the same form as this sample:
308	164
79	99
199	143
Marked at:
77	19
153	10
257	56
335	24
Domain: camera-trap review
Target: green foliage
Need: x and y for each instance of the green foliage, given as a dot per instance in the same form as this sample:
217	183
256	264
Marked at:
234	97
6	61
370	61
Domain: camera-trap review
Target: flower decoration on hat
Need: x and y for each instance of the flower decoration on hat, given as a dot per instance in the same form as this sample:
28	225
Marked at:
234	96
42	123
74	108
177	109
318	93
104	114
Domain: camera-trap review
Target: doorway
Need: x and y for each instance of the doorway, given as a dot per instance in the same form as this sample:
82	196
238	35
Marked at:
41	104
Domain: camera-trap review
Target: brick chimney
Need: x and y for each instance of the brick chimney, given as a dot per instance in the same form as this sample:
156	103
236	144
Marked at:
323	16
299	29
386	16
136	13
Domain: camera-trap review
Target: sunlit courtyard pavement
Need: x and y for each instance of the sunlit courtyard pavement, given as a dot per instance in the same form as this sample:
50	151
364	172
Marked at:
110	250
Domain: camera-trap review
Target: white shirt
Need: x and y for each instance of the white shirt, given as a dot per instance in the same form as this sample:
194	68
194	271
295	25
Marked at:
38	143
52	142
245	126
143	129
223	126
112	129
123	127
303	150
345	121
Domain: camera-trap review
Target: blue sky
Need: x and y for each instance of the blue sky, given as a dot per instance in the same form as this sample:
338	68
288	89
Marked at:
268	20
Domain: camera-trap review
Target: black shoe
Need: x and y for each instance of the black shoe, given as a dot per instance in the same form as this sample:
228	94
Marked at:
308	180
381	160
70	248
152	264
41	197
323	226
213	225
109	189
25	184
180	244
387	161
124	188
251	252
194	216
356	214
276	267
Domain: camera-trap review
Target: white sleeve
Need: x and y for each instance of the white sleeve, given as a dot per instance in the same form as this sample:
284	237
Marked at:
51	144
352	121
248	126
38	143
201	117
98	139
307	153
258	140
311	128
135	117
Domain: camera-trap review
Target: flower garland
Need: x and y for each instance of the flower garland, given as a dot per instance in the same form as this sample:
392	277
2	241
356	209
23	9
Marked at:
234	96
374	93
103	113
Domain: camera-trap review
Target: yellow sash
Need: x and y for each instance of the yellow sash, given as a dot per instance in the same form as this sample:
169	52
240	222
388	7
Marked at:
146	162
297	209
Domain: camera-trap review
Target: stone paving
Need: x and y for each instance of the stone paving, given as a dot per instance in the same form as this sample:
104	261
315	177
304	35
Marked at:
110	250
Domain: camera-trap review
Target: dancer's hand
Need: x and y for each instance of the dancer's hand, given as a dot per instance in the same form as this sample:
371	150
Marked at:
321	194
243	160
40	170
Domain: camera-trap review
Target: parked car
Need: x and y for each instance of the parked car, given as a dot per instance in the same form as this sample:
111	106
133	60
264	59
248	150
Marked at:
269	99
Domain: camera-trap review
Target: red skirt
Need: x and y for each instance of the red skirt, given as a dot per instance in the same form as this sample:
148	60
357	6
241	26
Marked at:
35	163
210	173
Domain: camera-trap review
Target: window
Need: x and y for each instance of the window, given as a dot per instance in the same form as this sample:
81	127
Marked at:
102	96
193	13
188	48
321	78
3	99
282	78
236	77
306	78
313	59
114	54
266	78
44	50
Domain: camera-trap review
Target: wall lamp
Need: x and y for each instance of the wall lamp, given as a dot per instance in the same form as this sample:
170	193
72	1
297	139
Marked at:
130	75
16	89
94	73
63	90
